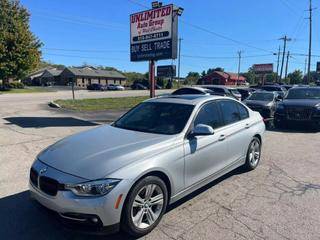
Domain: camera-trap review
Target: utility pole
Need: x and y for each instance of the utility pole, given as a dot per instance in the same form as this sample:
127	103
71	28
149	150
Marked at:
305	66
310	40
285	40
179	57
239	65
286	71
278	61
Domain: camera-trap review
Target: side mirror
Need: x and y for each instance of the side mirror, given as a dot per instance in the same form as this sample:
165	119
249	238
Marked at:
202	130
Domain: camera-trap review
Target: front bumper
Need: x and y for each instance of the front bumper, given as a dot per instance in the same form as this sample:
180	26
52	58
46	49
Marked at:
81	210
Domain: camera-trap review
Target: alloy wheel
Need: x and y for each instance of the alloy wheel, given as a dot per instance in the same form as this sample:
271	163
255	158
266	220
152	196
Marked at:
254	152
147	206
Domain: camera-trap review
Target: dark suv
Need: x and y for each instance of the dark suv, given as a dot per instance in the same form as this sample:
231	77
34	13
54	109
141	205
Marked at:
263	102
301	105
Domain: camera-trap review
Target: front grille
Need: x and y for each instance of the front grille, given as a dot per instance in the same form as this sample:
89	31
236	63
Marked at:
34	177
299	113
48	185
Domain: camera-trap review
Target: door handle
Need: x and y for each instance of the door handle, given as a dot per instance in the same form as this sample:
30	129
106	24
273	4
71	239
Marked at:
247	125
222	137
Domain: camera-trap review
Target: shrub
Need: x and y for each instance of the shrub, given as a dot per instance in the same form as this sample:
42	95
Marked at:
16	85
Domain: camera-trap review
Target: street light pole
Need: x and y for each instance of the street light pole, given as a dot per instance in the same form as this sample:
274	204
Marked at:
285	40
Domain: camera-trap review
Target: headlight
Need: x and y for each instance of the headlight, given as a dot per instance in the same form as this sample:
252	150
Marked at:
93	188
318	106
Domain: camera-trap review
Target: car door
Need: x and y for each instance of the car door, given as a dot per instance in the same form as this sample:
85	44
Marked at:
205	155
237	128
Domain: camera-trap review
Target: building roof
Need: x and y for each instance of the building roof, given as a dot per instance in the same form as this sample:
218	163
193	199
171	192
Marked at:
91	72
39	72
231	76
51	73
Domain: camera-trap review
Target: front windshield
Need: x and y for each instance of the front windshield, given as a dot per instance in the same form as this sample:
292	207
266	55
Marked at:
261	96
303	93
156	117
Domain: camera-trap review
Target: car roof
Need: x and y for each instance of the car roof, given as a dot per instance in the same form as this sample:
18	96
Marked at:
190	99
216	86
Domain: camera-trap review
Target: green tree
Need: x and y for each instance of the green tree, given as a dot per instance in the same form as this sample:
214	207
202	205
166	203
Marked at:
271	77
191	78
295	77
19	48
250	76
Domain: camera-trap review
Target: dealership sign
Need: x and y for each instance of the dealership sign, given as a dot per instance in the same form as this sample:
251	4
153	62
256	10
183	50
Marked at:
166	71
263	68
153	34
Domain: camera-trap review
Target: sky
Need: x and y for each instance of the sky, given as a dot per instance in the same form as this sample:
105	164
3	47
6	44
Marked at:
97	32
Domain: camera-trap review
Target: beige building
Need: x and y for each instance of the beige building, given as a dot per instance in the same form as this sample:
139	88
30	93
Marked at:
84	76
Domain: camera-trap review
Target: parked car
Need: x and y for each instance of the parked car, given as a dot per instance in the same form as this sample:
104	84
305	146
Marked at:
263	102
301	105
126	174
95	87
115	87
245	92
272	88
192	90
222	91
138	86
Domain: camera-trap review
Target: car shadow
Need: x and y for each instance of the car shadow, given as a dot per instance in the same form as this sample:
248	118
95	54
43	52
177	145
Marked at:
293	129
23	218
42	122
237	171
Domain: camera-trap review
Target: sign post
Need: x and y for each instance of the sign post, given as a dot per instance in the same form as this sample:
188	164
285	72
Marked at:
153	36
152	81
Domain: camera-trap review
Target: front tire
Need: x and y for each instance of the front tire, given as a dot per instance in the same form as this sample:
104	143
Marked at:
253	154
145	206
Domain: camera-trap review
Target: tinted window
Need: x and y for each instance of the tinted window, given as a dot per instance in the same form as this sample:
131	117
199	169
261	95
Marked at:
183	91
209	114
243	111
261	96
304	93
155	117
230	111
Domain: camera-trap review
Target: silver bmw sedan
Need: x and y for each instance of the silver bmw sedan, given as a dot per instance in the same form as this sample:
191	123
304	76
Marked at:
124	175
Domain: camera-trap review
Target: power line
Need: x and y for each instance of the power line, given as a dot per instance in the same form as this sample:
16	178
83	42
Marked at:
226	57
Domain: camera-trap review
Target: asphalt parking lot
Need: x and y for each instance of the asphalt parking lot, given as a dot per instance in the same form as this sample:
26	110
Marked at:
279	200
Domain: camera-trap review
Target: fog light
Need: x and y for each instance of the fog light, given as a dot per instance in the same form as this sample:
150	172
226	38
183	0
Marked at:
94	219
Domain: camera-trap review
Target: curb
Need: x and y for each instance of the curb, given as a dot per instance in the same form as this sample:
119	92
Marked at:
53	105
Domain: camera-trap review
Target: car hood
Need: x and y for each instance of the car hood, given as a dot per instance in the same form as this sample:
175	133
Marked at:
256	103
95	153
301	102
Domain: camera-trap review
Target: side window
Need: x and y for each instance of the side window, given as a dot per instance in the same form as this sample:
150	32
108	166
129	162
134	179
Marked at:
230	111
209	114
243	111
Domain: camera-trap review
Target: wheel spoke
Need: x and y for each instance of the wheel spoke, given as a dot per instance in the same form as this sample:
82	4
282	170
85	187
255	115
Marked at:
137	219
149	191
151	216
156	200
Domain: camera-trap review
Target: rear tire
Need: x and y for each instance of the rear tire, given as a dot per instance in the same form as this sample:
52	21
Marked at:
144	206
253	154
